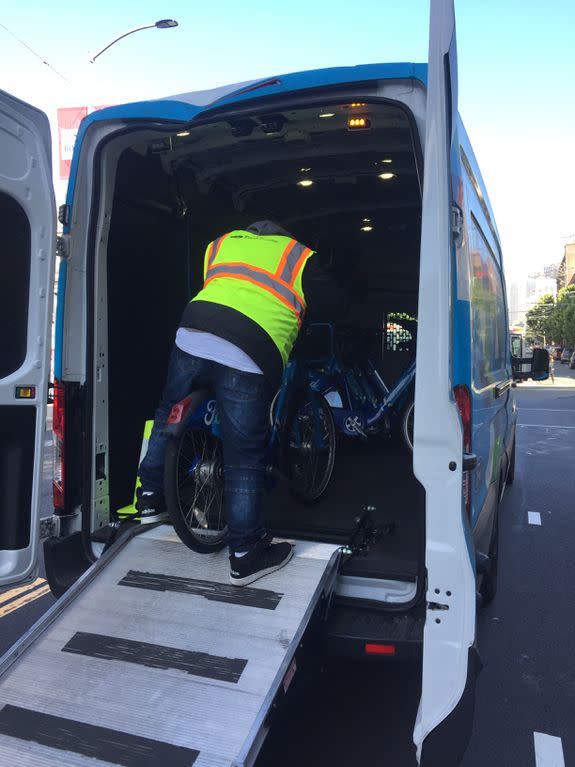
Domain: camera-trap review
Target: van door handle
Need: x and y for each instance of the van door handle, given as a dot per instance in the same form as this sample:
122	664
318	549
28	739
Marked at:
501	388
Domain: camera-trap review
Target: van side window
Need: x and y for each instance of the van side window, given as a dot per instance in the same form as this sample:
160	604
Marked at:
488	315
516	346
14	284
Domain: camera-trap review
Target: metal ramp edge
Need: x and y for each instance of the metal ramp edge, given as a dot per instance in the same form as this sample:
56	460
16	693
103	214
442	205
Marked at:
152	657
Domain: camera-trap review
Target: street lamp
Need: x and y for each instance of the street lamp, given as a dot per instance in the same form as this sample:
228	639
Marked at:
162	24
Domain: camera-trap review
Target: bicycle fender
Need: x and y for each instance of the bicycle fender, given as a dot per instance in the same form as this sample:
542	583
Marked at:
182	411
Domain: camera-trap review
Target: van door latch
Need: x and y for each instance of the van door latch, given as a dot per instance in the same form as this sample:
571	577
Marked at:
457	224
437	606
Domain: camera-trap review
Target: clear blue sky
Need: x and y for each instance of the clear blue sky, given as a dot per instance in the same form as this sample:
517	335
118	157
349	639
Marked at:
516	76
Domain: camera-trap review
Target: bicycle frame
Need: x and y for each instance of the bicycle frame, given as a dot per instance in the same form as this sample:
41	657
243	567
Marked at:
199	410
360	400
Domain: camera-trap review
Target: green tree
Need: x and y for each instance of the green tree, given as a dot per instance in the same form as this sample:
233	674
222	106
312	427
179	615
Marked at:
564	316
539	319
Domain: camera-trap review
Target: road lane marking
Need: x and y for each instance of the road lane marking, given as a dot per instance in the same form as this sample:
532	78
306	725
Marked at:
8	595
544	426
548	750
534	517
547	410
26	599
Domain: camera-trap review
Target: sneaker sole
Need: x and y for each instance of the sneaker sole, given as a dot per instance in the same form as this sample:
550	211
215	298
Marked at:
260	573
148	520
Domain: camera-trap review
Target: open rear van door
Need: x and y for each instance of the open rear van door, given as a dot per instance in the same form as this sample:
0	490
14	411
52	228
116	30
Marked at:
448	674
27	223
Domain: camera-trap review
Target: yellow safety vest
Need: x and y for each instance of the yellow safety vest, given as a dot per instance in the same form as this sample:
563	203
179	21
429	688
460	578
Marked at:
261	277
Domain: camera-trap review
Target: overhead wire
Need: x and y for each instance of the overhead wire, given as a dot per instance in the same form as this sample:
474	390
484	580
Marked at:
38	56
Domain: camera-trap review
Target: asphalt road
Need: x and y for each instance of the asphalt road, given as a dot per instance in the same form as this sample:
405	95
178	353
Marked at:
526	637
363	716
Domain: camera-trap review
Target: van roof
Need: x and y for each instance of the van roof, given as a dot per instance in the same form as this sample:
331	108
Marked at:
184	107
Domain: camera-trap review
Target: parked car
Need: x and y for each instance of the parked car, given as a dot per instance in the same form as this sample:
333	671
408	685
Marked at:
566	356
572	361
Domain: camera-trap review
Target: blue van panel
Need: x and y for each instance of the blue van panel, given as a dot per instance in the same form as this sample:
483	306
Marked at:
59	326
183	109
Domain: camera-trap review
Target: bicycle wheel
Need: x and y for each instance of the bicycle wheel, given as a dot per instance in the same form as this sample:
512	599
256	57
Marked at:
407	418
308	454
194	489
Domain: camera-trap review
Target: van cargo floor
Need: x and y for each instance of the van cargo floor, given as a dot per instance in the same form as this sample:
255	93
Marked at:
158	660
377	473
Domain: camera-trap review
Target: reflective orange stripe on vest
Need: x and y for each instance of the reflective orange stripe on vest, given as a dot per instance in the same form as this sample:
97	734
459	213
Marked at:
263	279
291	262
216	244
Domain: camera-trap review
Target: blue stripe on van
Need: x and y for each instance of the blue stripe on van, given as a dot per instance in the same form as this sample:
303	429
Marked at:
171	110
461	343
59	329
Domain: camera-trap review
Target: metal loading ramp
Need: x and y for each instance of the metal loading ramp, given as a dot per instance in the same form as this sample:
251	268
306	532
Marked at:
158	660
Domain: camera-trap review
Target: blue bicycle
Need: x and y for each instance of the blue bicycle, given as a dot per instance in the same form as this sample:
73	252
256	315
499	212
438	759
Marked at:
300	451
362	403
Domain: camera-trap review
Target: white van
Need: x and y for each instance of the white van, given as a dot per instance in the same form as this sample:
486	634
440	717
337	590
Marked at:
151	184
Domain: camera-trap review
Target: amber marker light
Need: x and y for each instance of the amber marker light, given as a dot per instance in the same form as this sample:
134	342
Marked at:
358	123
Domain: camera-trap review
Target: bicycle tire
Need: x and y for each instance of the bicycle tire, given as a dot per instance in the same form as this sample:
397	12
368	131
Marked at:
193	480
407	417
297	451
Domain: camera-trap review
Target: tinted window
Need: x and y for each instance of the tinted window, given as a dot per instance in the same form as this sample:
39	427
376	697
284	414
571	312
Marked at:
488	315
516	346
14	284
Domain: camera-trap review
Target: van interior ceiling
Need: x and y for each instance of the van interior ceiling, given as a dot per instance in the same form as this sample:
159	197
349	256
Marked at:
361	212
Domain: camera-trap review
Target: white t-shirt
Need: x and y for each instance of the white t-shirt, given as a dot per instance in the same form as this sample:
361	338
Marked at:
211	347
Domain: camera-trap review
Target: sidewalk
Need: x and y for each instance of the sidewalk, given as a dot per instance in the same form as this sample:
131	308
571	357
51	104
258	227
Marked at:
564	379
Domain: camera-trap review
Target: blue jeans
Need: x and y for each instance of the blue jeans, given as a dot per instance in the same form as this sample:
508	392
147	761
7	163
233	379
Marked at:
243	406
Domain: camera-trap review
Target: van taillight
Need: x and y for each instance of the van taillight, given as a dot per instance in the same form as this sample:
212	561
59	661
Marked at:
463	399
58	427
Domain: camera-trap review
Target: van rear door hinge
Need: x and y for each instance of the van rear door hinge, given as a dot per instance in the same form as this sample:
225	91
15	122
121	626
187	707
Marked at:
457	224
63	246
64	214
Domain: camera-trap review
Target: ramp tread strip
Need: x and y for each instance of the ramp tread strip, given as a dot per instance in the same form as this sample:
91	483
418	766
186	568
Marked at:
156	656
103	743
210	590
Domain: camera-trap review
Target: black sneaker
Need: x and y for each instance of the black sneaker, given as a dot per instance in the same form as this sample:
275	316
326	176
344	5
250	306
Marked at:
260	561
151	507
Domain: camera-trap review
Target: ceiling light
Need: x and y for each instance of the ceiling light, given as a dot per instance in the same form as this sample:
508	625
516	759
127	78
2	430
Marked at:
366	220
386	176
305	182
327	114
183	133
387	161
367	228
304	170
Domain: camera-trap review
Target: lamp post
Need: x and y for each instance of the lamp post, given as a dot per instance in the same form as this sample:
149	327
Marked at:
162	24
